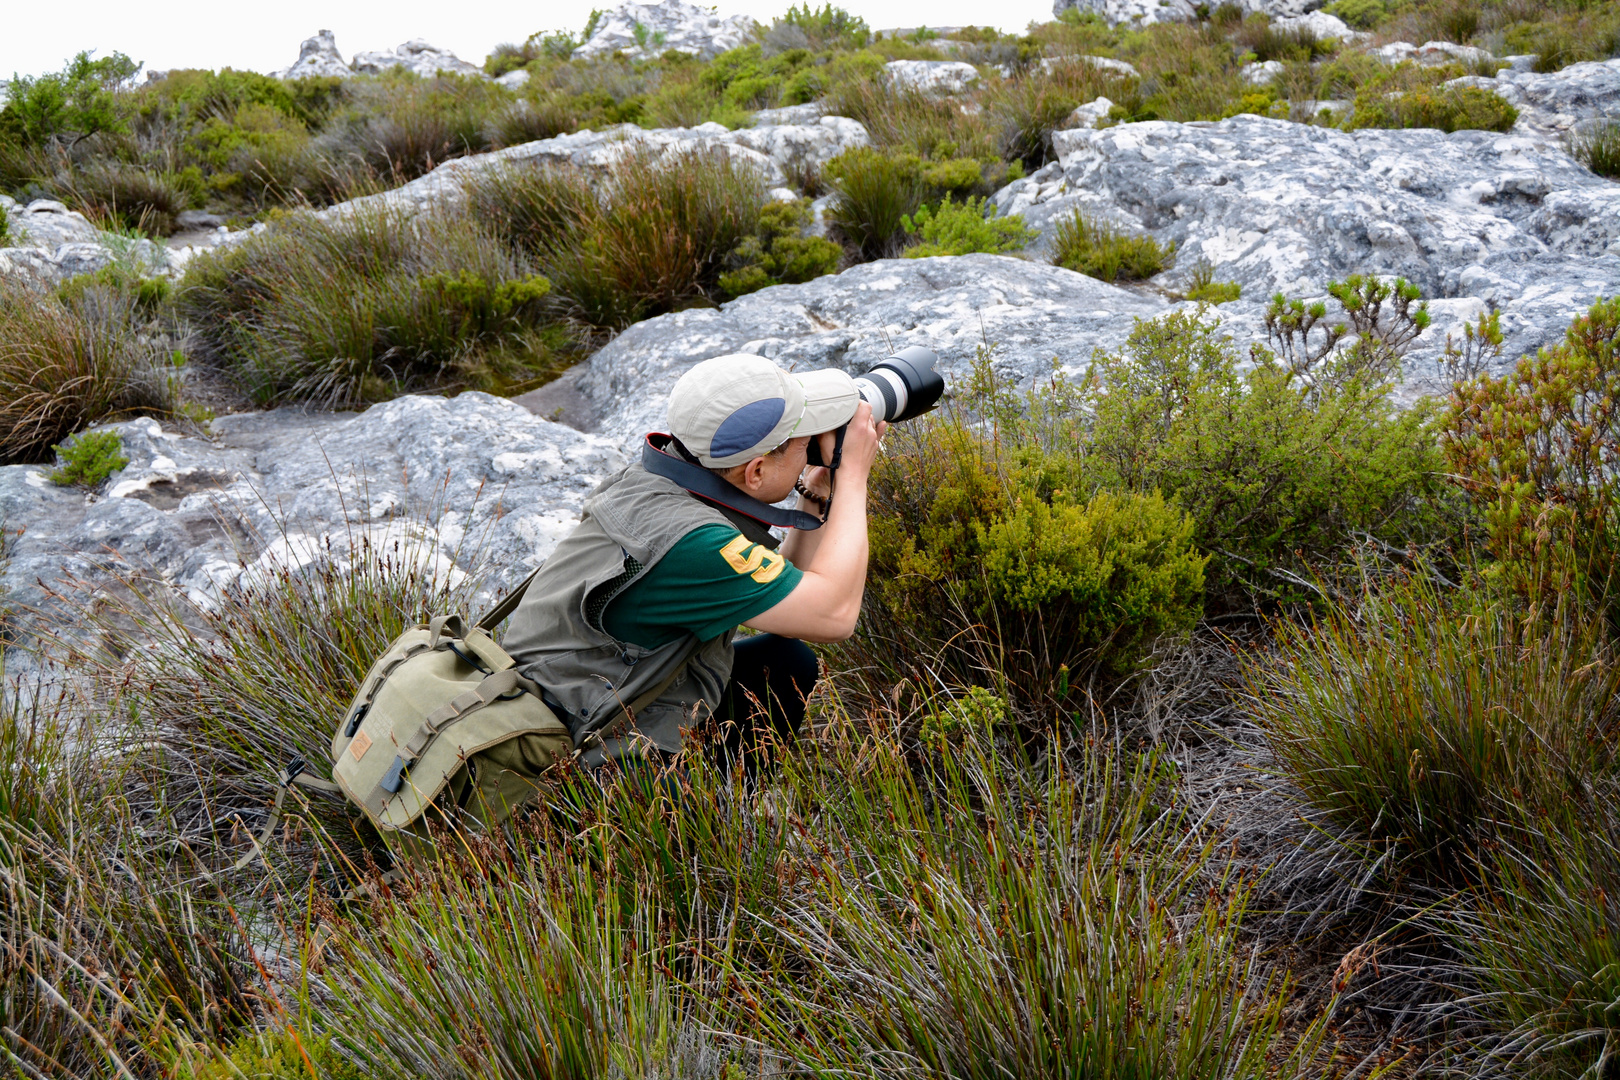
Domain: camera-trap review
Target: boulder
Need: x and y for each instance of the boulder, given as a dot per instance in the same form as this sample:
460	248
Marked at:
1262	73
648	30
1475	217
780	152
1318	24
491	480
1551	104
514	80
1087	115
318	57
933	78
1431	54
1105	63
415	56
1132	12
51	243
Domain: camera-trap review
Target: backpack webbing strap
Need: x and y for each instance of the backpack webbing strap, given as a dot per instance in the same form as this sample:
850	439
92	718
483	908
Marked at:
296	772
377	684
456	709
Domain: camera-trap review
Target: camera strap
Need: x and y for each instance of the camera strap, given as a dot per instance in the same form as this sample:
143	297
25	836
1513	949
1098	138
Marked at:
706	485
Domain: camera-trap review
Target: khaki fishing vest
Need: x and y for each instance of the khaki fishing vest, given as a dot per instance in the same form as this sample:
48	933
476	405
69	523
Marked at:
629	523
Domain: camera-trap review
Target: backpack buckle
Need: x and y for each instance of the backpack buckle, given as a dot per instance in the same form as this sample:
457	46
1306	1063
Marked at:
295	768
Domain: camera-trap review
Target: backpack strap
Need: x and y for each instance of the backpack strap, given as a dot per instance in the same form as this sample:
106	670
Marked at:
501	610
297	772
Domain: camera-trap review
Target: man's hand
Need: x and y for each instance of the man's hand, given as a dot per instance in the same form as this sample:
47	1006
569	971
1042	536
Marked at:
861	442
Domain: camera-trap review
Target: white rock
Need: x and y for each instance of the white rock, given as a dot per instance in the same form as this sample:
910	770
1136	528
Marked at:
318	57
514	80
648	30
1115	12
935	78
415	56
1431	53
1106	63
1087	115
808	113
1317	23
1262	73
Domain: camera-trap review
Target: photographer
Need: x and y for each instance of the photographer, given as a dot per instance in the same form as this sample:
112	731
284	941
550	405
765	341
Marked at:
630	627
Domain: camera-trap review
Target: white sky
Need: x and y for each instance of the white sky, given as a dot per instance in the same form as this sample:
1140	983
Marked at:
263	35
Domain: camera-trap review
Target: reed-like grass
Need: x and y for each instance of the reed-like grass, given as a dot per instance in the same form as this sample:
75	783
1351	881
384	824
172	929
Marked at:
1431	722
1099	250
66	365
875	194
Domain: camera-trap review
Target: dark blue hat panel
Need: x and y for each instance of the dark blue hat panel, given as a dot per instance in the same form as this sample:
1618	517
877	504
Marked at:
745	428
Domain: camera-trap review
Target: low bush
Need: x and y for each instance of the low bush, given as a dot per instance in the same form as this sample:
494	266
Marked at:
267	1055
64	366
1427	722
1028	108
88	459
1284	461
400	126
356	309
778	254
1536	450
126	197
906	120
1203	288
992	559
1099	250
1359	14
876	192
1454	108
1266	42
1596	144
962	229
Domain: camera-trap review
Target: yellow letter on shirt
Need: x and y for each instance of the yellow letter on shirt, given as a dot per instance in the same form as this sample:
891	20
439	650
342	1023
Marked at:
764	564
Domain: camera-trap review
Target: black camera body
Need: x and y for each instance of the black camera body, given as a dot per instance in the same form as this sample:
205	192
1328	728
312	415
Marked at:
902	387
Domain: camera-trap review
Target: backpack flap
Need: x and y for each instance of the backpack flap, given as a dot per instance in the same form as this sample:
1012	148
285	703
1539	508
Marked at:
430	703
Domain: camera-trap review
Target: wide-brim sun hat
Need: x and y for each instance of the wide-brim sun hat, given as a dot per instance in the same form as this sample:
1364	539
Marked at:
733	408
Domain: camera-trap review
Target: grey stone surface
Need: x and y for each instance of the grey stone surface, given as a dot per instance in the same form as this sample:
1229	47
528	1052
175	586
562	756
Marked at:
287	488
51	243
780	152
1133	12
1431	53
1474	218
934	78
416	56
1551	105
318	57
647	30
1317	23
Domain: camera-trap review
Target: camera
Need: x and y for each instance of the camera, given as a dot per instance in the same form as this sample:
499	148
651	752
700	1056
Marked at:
902	387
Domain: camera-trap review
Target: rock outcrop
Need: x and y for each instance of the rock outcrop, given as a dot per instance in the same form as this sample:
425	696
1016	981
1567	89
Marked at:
1474	216
647	30
318	57
779	152
288	488
1550	105
1134	12
50	243
934	78
415	56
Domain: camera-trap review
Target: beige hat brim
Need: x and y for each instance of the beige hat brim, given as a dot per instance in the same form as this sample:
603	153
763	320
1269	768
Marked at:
830	400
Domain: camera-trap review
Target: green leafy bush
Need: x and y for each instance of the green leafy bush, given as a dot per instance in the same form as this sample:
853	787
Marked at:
1450	108
1360	14
64	366
1537	451
149	294
827	28
989	555
1427	722
777	253
356	309
1101	251
88	459
962	229
78	101
1282	461
1205	289
876	193
268	1055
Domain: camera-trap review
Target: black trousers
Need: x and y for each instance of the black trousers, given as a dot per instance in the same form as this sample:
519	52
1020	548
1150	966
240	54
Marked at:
764	702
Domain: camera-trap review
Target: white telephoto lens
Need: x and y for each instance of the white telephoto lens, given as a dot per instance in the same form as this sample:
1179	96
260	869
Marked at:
886	391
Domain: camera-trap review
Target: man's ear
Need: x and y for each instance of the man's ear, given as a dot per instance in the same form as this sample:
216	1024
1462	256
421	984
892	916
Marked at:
753	476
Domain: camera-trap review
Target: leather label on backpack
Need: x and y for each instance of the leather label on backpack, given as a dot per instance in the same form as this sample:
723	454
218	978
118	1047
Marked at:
361	743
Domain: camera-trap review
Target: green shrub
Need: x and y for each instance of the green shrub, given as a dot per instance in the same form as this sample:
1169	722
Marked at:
76	102
875	194
988	555
400	126
1596	144
905	120
830	27
1266	42
1426	721
268	1055
88	459
356	309
64	366
1206	290
1360	14
1452	108
962	229
1282	462
1101	251
1028	108
777	253
125	197
1536	450
149	294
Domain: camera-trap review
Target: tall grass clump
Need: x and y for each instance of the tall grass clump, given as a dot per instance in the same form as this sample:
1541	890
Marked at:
1029	107
1426	722
1596	144
1541	939
876	192
990	929
651	236
400	126
1099	250
359	308
66	365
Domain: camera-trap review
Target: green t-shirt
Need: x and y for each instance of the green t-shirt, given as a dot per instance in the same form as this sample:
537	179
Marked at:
712	580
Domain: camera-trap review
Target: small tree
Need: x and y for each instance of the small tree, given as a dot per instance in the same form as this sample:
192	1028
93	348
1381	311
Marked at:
71	104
